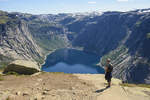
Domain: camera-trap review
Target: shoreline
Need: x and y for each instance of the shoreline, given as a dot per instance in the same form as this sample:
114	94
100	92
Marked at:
49	52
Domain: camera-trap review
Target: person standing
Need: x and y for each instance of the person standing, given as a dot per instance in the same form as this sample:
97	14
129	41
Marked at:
108	72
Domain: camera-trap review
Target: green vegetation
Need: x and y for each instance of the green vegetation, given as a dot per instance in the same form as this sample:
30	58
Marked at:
135	85
40	60
148	35
12	73
3	65
1	78
49	44
138	23
113	55
3	19
4	61
8	98
9	19
47	35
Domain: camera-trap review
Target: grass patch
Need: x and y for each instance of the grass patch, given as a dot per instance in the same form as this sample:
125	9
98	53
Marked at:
1	69
51	43
3	19
3	66
148	35
138	23
12	73
4	61
10	19
135	85
47	35
42	72
1	78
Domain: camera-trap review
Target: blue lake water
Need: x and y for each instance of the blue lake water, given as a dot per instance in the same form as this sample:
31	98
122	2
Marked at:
72	61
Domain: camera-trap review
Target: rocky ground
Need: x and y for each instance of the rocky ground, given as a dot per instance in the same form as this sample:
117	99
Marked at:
60	86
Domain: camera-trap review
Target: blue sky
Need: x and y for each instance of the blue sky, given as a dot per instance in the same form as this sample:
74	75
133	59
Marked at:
70	6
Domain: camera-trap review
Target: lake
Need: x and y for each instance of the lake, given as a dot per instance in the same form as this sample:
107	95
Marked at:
72	61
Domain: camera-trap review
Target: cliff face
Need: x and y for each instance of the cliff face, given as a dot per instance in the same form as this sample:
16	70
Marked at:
101	34
137	43
16	40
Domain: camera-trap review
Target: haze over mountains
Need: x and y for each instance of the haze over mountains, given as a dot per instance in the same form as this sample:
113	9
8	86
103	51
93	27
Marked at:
122	36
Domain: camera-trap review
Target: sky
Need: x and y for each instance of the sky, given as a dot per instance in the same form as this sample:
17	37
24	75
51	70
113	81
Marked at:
71	6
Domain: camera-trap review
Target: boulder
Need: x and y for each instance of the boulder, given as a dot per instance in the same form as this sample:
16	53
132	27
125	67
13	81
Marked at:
22	67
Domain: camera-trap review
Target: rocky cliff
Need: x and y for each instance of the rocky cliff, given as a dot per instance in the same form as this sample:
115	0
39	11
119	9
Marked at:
131	57
16	39
28	37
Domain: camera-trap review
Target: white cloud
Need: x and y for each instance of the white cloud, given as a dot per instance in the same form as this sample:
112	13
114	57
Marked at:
122	0
92	2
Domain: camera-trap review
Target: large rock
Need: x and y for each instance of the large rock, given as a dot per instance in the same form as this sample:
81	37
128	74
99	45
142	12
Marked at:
22	67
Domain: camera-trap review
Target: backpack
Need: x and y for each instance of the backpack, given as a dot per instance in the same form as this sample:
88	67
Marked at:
110	68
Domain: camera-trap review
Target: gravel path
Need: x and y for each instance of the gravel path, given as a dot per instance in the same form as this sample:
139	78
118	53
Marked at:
59	86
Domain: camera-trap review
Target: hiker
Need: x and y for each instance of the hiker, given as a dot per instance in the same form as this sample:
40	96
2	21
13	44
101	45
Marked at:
108	72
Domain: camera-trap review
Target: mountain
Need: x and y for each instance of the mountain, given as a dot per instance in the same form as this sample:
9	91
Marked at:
28	37
16	40
122	36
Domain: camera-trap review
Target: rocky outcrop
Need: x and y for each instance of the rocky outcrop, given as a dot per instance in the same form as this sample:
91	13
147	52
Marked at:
22	67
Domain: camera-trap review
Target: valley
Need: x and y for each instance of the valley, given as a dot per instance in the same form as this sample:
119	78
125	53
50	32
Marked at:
121	36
